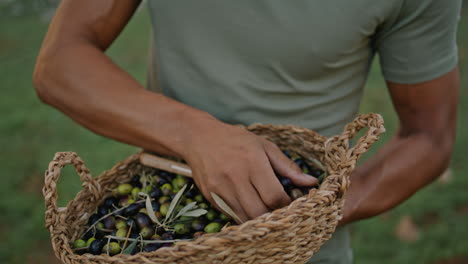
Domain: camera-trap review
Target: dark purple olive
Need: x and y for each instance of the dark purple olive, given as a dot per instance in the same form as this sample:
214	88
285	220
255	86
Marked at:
162	181
131	209
155	193
285	182
109	222
155	204
110	202
142	220
135	179
151	247
299	162
96	247
198	225
93	219
103	210
189	194
134	234
131	223
315	172
167	236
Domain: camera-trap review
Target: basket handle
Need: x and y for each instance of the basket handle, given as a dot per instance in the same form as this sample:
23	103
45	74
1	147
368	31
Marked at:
374	122
50	186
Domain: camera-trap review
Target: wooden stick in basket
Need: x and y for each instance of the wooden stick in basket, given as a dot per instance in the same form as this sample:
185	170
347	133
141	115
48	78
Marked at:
165	164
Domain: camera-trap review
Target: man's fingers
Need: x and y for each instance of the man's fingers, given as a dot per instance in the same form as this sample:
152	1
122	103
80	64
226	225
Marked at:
251	202
268	186
286	167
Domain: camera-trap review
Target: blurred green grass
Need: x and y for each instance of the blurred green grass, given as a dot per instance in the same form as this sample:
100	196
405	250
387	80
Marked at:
32	132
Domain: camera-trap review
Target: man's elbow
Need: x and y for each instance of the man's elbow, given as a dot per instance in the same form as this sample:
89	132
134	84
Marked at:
41	81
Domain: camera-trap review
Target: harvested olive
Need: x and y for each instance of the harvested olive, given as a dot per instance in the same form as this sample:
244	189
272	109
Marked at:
124	201
199	198
166	189
143	210
181	229
131	209
299	162
190	194
286	182
146	232
155	193
155	205
135	192
212	228
211	215
88	243
296	193
198	225
120	224
151	247
203	206
100	226
164	208
224	217
198	234
110	202
112	248
135	180
93	219
121	232
163	199
179	182
156	237
79	243
102	210
109	222
315	172
178	207
158	215
131	223
167	236
142	220
96	247
124	189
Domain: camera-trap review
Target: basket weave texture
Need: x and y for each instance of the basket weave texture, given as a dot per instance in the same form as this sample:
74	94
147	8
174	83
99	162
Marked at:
288	235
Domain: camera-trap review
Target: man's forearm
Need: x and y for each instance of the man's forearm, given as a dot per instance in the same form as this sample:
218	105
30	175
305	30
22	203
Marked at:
81	81
404	165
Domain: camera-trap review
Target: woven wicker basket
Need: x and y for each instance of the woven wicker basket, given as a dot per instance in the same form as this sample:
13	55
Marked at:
287	235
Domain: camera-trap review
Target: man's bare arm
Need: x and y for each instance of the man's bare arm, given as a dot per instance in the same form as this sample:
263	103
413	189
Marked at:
74	75
418	153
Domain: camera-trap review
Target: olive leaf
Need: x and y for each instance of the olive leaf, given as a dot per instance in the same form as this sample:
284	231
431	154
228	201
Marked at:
150	210
186	208
174	203
130	247
195	213
223	205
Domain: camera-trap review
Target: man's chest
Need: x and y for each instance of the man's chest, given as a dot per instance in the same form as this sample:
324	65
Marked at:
305	37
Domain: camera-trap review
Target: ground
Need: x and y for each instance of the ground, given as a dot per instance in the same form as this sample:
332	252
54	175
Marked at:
431	227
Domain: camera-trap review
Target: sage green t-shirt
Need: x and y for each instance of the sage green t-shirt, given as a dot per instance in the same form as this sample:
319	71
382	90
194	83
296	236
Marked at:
301	62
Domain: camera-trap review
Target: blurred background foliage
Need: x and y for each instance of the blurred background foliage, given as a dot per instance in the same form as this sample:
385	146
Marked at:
431	227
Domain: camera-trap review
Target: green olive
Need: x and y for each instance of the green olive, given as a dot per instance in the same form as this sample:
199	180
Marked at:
166	189
164	208
135	192
188	200
124	189
203	206
146	232
90	240
181	229
79	243
179	182
148	189
199	198
156	237
212	228
120	224
211	215
122	232
143	210
224	217
113	248
163	199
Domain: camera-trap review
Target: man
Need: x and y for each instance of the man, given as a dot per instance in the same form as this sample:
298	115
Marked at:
287	62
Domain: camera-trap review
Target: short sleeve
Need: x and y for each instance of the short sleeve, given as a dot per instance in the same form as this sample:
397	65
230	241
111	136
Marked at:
419	43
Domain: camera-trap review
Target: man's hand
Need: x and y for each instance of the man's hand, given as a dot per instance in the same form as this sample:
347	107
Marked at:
239	166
